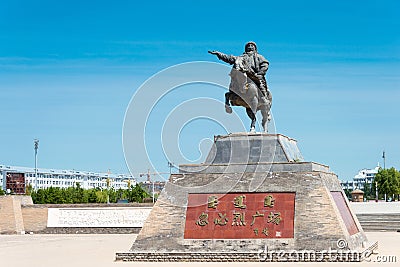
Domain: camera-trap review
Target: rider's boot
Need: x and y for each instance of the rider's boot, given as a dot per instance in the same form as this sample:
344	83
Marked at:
264	94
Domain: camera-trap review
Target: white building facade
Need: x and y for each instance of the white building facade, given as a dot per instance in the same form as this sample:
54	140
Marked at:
364	176
45	178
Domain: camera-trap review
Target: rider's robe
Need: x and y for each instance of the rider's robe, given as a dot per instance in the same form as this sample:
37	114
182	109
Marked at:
255	61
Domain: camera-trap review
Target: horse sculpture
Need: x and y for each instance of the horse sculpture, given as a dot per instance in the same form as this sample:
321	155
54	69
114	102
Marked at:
244	92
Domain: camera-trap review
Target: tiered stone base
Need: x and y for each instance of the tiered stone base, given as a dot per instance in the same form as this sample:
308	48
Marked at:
221	210
290	256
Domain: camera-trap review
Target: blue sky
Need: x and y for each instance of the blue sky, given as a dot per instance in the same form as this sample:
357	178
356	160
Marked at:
68	70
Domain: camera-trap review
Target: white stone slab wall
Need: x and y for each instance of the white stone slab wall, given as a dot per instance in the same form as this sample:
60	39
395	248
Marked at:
97	217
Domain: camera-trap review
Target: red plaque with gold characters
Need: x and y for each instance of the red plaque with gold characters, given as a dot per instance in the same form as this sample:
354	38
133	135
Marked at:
240	216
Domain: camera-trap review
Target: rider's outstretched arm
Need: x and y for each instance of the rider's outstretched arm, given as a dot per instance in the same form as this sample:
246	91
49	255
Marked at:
224	57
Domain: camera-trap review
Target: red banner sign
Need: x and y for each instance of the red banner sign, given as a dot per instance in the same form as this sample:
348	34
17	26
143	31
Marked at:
240	216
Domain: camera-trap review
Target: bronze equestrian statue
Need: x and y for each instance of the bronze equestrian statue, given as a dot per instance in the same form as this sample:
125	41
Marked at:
248	87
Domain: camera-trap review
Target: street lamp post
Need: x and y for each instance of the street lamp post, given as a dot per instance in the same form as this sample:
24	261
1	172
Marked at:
108	190
384	160
366	189
36	146
108	181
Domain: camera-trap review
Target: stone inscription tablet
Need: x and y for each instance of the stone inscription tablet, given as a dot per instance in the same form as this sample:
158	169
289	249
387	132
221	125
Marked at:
240	216
345	212
97	217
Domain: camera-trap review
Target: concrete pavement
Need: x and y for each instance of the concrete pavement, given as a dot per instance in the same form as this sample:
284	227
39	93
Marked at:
99	251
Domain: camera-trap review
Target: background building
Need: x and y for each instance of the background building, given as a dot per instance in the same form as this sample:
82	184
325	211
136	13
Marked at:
17	178
365	177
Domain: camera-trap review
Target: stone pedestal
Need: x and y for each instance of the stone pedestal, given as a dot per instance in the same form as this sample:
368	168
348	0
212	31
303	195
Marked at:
254	196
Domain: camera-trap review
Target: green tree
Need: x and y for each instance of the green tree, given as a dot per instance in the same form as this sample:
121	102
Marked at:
2	193
38	197
395	183
28	190
101	196
68	195
90	195
347	193
368	193
121	194
137	194
76	194
113	196
388	181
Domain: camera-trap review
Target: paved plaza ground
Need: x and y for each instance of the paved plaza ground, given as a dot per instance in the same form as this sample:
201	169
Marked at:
99	251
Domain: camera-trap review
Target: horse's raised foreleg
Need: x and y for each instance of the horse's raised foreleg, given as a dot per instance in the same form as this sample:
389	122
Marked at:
228	108
265	119
265	108
252	116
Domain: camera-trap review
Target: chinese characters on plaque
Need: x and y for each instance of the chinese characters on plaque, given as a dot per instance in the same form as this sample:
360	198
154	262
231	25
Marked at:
240	216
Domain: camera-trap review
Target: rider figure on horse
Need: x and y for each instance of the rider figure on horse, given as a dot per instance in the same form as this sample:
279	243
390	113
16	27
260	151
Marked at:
256	67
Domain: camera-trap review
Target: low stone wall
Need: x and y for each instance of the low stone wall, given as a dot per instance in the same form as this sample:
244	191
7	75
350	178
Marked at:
35	218
107	217
85	218
19	215
373	207
90	230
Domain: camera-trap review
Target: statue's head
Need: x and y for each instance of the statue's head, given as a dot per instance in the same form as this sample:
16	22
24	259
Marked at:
250	47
